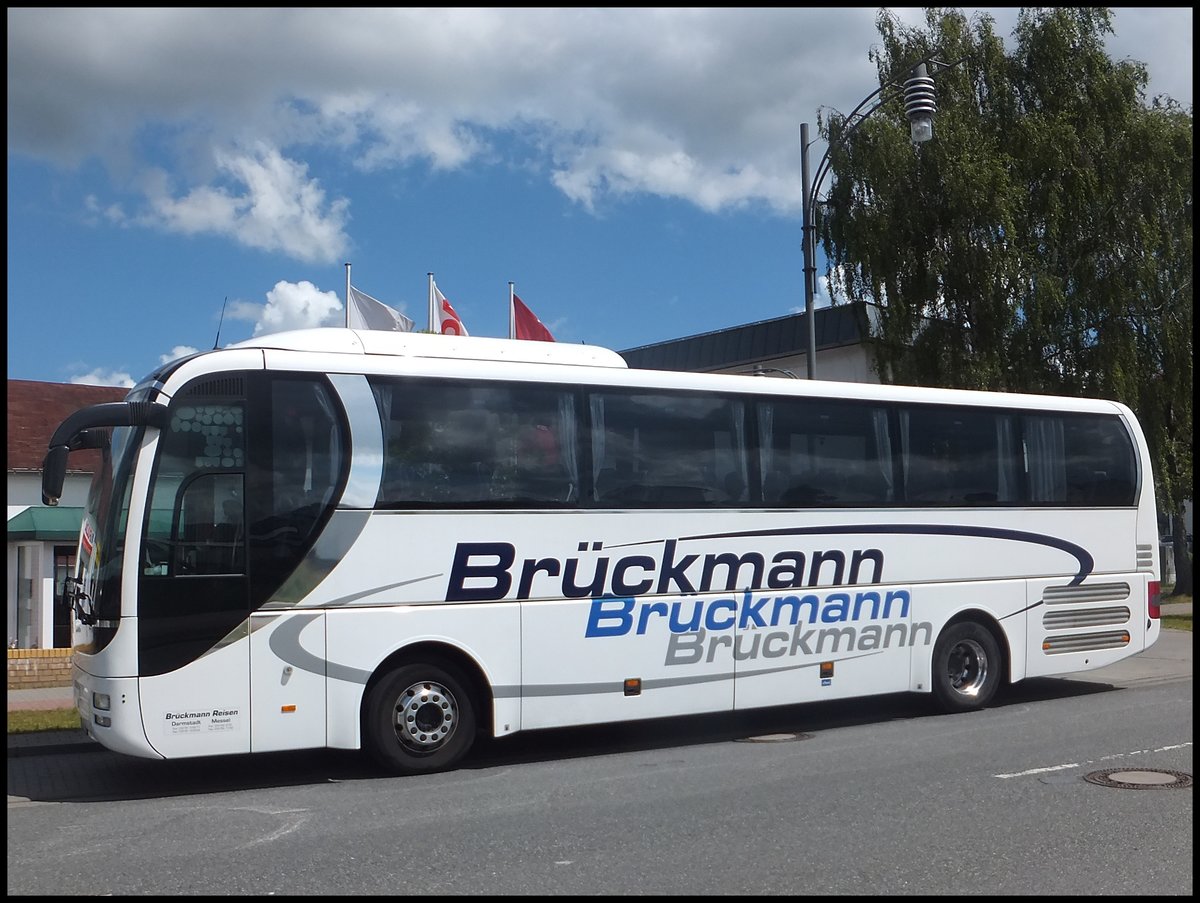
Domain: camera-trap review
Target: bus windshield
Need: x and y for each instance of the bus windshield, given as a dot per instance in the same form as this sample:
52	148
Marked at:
102	541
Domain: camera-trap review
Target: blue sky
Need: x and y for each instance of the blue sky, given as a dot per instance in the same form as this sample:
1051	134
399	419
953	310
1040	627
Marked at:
634	172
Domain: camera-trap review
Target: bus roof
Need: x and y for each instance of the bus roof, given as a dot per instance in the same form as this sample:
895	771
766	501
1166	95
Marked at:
415	344
610	368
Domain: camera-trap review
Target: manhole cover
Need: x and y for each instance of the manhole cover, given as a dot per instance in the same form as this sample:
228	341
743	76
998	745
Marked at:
774	738
1139	778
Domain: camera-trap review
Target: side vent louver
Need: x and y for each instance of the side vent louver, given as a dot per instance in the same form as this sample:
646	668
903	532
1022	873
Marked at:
1092	592
1075	608
1145	557
221	387
1085	642
1064	619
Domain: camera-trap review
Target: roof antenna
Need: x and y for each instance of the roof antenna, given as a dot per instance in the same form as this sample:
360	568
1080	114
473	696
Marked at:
217	341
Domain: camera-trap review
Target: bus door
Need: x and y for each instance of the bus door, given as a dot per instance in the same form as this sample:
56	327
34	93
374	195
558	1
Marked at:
297	470
194	661
246	476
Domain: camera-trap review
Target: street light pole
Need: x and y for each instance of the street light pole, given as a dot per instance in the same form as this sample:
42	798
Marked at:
810	266
919	106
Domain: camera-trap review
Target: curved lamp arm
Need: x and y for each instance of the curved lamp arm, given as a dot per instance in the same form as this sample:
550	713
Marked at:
919	106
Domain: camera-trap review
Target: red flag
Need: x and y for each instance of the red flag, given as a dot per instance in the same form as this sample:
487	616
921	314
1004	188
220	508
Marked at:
526	325
447	321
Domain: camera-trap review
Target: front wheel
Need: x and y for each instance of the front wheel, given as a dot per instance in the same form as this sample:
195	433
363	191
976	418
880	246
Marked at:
420	718
966	667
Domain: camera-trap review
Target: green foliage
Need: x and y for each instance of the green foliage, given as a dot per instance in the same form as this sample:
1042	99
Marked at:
1177	621
25	722
1042	241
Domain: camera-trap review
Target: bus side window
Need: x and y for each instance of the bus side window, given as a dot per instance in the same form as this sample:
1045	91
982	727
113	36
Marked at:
463	443
668	450
1079	460
303	463
734	486
467	452
817	453
536	472
958	457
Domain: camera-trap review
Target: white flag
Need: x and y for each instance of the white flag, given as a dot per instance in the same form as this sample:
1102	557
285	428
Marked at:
446	321
367	313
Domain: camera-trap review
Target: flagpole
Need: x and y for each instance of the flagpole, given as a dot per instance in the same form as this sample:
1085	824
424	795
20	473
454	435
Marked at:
347	296
512	316
432	318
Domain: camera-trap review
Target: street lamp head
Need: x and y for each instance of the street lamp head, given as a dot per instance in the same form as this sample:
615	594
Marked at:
921	129
920	104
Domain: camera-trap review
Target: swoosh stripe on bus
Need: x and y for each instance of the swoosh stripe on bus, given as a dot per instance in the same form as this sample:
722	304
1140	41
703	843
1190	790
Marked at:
1086	562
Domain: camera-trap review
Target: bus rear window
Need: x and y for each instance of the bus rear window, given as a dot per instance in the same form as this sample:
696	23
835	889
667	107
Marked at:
1079	460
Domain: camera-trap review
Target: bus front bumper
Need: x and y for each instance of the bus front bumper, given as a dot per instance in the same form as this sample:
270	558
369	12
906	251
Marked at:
109	710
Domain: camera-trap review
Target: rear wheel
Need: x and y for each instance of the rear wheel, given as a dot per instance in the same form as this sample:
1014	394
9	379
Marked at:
966	667
420	718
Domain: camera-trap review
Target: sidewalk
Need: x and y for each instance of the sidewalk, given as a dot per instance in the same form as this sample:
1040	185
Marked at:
43	742
41	699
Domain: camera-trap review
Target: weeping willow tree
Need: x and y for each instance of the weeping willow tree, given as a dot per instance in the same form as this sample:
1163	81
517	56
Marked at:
1042	241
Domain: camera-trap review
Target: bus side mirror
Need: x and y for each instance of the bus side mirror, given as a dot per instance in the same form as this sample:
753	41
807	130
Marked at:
54	472
54	467
79	430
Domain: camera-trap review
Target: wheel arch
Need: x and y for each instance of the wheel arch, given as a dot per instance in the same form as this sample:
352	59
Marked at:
437	653
990	623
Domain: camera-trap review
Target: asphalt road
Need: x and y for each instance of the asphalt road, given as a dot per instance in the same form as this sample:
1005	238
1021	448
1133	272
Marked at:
873	797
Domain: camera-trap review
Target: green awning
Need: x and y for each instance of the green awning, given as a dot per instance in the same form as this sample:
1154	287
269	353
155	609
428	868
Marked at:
46	525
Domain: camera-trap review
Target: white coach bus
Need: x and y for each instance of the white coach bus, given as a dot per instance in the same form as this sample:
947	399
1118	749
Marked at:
354	539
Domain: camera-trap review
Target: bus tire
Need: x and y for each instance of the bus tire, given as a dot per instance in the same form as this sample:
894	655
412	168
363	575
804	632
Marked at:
966	667
420	718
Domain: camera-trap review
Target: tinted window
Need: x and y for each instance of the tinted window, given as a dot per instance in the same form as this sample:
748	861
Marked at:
198	506
460	444
816	453
193	585
668	450
301	461
958	456
1079	460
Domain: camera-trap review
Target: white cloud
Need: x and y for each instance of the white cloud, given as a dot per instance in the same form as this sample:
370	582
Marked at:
100	377
113	212
821	295
176	353
273	206
700	104
291	305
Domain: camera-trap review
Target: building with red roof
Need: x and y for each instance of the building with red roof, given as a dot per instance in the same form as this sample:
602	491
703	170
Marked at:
42	540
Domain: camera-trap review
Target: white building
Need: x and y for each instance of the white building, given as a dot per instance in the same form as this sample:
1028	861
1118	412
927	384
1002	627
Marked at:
42	540
777	347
